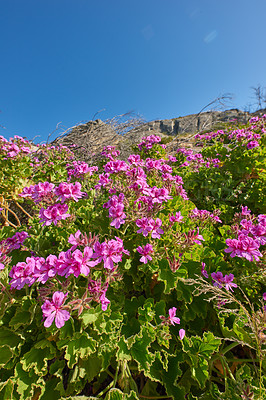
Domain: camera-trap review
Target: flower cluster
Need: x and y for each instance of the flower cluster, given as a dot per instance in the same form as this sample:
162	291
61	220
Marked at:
148	142
14	242
66	191
203	215
196	160
54	213
116	210
10	244
16	146
110	152
149	225
80	169
250	237
43	191
245	136
46	192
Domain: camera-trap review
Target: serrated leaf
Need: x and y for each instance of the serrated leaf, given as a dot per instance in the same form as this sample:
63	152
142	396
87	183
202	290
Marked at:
169	378
80	346
5	355
6	391
8	337
89	316
92	366
26	382
114	394
146	313
139	350
131	396
167	276
199	351
19	319
38	356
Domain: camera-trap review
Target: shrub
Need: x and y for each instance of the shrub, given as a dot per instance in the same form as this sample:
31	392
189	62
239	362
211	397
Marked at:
118	286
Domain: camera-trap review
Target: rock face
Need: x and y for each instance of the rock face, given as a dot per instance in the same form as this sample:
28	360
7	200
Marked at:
197	122
90	138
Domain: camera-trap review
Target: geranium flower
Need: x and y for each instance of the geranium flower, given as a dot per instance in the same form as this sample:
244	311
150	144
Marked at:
145	251
172	318
54	310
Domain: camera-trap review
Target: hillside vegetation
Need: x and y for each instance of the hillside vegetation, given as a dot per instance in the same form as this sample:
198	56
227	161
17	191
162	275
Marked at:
134	279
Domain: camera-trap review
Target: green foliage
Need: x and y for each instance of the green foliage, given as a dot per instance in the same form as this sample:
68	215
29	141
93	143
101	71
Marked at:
131	347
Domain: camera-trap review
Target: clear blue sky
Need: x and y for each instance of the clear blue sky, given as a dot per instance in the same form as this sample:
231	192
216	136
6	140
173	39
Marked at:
64	60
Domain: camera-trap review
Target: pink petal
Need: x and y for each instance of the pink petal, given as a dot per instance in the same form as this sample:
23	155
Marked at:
61	317
182	333
49	320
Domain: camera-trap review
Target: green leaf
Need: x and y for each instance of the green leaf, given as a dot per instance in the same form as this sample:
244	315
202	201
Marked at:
6	390
139	349
26	382
167	276
5	355
114	394
9	337
146	313
89	316
19	319
38	356
168	378
80	346
199	351
92	366
131	396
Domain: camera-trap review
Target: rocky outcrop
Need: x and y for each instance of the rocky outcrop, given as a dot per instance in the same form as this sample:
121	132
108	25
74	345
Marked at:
90	138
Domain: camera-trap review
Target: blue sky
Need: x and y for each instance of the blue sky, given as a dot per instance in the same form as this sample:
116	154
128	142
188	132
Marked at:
64	60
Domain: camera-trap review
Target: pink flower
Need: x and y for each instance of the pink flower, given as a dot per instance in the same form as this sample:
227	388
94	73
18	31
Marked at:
264	296
218	279
203	270
245	211
67	191
53	214
117	214
197	237
144	226
228	282
76	240
104	301
156	231
110	252
172	318
145	251
245	247
177	218
252	144
54	310
116	166
23	273
182	333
